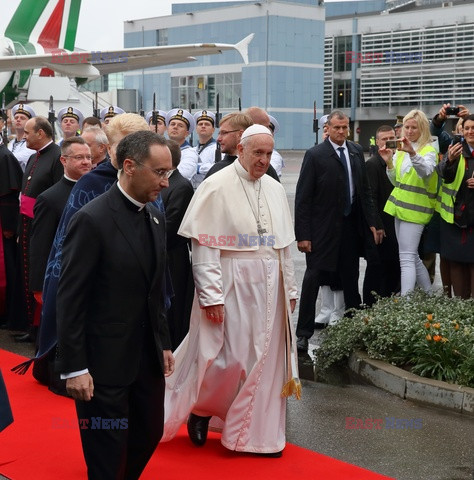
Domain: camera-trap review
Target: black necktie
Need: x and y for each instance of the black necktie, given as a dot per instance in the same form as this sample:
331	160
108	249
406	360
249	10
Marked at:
347	199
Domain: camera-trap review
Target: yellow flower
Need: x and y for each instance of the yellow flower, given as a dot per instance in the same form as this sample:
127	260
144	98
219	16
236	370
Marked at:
428	337
436	325
444	340
437	338
456	326
429	316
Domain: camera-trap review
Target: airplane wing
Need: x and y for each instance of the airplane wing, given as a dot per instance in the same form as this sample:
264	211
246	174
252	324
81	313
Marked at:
94	63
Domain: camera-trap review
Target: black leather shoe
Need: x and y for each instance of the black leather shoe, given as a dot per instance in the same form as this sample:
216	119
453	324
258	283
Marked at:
271	455
319	325
25	338
302	344
197	429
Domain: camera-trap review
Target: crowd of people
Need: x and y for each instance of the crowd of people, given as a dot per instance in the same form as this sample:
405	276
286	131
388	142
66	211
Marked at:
411	199
155	277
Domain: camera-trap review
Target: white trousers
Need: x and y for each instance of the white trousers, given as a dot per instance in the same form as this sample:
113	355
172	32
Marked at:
412	268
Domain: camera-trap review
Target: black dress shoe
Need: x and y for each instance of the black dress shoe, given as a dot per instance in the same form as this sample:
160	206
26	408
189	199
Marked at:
271	454
302	344
197	429
24	338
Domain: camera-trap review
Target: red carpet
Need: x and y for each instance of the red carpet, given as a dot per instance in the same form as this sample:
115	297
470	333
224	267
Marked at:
43	443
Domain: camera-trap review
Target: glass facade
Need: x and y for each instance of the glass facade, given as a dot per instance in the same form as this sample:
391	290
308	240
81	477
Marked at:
200	91
429	66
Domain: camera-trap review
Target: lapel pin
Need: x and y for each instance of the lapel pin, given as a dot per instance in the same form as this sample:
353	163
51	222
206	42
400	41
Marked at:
156	220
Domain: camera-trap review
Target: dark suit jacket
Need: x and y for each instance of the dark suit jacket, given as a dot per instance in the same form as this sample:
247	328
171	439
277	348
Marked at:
319	201
381	188
48	209
106	298
176	199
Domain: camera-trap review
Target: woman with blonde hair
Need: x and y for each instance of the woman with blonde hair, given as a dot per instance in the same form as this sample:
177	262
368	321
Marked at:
412	202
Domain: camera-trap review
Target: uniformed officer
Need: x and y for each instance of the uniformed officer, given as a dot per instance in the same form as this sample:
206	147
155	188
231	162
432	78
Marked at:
107	113
21	113
160	121
70	120
180	124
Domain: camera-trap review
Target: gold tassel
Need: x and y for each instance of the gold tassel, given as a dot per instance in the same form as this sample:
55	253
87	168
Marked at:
293	387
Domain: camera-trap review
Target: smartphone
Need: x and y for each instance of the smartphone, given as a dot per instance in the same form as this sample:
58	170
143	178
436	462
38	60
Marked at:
456	139
452	110
394	144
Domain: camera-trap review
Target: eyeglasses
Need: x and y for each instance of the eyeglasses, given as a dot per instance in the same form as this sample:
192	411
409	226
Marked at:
79	157
159	173
224	132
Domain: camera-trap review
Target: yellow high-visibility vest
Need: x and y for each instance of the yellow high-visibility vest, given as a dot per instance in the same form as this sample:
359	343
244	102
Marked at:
413	199
448	191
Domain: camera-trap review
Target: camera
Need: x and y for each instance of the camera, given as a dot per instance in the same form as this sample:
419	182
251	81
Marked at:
452	110
456	139
394	144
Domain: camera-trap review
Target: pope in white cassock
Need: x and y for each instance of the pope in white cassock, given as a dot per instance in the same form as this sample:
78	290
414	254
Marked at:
237	362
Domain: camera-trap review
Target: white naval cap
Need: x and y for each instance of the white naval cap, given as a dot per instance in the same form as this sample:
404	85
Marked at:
183	115
274	123
205	115
161	116
24	109
256	129
322	121
109	112
70	112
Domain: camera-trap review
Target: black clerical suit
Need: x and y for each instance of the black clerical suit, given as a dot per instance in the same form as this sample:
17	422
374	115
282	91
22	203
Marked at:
382	274
47	211
111	320
42	171
337	240
176	199
10	185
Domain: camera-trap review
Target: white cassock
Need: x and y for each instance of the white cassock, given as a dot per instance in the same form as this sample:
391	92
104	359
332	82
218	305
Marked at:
236	370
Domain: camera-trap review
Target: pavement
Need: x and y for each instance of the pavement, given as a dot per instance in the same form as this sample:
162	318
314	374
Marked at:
345	418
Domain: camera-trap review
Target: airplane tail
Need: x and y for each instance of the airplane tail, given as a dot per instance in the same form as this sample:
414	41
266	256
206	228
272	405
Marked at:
51	23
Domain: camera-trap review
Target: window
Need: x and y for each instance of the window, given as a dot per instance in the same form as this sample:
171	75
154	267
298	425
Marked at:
198	92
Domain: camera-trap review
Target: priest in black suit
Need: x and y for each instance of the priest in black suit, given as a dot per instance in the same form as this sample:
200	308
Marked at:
334	217
49	206
113	340
176	199
42	171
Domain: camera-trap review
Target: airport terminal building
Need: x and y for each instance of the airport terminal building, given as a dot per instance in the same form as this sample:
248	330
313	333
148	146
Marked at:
374	59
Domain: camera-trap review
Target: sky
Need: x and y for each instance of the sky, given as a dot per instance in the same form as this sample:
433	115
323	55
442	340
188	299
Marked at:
101	21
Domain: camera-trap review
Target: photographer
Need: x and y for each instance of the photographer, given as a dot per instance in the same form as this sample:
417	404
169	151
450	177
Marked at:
412	202
439	121
456	206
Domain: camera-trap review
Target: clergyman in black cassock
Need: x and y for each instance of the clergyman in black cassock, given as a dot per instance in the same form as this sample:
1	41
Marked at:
113	339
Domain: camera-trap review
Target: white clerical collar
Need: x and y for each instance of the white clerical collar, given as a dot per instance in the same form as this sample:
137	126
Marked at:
42	148
140	205
70	179
241	172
